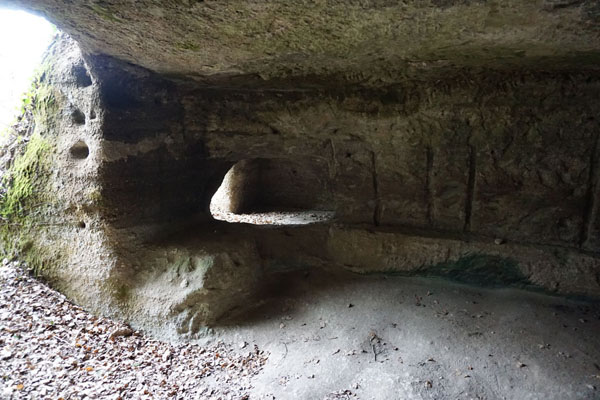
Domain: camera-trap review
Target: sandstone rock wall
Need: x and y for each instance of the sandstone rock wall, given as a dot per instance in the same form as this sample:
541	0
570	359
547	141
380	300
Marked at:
51	174
240	188
482	174
373	42
490	154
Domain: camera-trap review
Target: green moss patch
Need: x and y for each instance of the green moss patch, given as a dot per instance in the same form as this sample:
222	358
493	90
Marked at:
25	195
23	203
26	179
104	12
187	46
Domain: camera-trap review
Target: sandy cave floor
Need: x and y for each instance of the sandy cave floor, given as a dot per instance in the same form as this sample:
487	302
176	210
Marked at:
274	217
314	336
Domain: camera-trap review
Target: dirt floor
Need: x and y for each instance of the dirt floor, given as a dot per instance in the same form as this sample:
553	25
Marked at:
408	338
315	336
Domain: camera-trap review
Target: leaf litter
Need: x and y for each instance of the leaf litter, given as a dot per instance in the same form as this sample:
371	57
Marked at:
51	348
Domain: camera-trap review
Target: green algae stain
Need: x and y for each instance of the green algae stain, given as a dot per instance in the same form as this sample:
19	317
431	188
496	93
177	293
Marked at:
480	270
25	179
104	12
22	206
187	45
25	195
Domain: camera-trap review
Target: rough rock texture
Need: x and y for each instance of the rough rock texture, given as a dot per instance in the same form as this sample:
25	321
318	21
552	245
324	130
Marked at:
448	138
368	41
275	184
50	203
239	189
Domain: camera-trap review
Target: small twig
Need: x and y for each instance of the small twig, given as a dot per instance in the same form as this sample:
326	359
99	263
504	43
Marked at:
286	351
374	339
60	339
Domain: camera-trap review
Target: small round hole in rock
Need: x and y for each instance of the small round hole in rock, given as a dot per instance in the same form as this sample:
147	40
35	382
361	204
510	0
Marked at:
80	150
78	117
81	224
92	114
82	77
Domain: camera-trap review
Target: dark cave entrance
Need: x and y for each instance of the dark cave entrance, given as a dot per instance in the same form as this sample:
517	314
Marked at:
274	192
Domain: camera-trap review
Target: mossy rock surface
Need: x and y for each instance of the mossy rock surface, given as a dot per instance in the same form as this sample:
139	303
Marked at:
28	196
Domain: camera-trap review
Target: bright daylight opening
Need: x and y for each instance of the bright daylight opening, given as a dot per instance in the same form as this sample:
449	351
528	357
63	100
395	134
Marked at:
273	192
23	39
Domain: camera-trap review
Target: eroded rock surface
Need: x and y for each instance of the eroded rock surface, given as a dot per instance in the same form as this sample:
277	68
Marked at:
373	42
455	139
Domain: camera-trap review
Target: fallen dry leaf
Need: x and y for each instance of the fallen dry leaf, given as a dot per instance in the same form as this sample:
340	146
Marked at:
59	364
